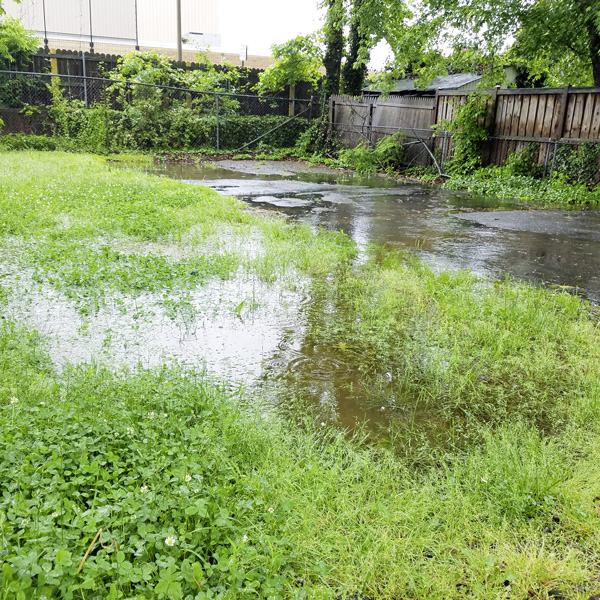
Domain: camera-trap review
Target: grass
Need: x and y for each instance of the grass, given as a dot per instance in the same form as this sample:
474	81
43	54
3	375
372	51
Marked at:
503	183
554	191
486	488
459	352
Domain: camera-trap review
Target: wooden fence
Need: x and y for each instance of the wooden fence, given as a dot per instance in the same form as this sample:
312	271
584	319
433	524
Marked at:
515	118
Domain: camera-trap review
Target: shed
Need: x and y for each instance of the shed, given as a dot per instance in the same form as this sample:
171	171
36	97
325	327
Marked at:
459	81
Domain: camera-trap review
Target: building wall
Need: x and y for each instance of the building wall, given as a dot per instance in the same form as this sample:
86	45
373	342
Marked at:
116	19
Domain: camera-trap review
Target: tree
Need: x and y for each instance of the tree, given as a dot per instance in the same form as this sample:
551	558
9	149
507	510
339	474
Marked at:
547	32
298	60
334	45
359	47
369	22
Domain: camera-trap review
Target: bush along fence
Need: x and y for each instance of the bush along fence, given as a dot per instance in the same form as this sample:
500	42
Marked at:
98	114
546	128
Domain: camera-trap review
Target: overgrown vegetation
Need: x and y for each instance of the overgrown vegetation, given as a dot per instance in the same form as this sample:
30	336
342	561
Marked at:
487	486
385	155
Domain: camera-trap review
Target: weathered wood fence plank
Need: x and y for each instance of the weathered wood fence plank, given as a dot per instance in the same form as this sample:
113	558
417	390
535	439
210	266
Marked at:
515	118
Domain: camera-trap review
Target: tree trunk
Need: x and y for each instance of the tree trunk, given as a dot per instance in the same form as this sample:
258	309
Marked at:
355	71
334	37
594	46
587	10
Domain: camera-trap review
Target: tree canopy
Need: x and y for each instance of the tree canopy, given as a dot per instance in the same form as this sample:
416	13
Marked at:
16	45
298	60
554	42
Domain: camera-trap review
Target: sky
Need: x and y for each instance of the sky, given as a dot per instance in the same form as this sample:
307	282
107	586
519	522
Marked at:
262	23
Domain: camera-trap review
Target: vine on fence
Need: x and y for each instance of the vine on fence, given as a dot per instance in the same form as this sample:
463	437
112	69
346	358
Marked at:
469	132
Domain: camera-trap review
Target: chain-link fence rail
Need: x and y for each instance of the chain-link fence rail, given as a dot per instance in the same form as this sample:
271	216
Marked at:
104	114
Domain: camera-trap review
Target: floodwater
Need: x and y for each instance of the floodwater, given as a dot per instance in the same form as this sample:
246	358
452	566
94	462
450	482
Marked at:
447	229
255	334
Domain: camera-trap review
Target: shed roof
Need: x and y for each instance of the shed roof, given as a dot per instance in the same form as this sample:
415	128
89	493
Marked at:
447	82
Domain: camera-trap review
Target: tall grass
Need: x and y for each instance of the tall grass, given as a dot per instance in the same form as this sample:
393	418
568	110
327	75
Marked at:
488	486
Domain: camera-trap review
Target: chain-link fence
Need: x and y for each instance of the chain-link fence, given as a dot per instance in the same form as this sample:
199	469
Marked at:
98	113
576	160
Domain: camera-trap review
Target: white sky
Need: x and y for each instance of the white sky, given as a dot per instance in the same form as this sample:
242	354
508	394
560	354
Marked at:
262	23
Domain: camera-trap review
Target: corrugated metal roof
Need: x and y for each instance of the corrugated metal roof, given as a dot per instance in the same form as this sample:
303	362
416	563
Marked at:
447	82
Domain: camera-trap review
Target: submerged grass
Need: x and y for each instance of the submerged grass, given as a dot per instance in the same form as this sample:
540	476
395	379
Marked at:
457	352
206	501
199	498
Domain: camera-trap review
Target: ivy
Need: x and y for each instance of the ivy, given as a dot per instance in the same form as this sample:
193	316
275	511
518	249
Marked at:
468	129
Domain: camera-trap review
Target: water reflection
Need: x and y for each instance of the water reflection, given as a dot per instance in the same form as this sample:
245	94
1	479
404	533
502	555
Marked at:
449	230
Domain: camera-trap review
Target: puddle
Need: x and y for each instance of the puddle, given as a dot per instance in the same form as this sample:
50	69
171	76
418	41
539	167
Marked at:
251	333
447	229
228	328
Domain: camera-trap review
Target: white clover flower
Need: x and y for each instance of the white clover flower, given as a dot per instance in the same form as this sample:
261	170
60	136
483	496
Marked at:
42	404
130	431
170	541
322	423
271	509
14	400
245	538
144	489
151	414
55	514
165	415
188	478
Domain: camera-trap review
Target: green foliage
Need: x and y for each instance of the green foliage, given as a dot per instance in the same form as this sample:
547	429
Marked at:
153	120
469	132
385	156
578	164
16	45
498	182
22	141
158	69
317	140
524	162
297	60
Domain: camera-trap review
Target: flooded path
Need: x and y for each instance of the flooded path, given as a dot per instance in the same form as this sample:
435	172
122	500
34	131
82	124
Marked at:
248	332
447	229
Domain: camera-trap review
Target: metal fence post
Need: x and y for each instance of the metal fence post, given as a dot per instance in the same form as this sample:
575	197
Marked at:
85	90
217	115
106	122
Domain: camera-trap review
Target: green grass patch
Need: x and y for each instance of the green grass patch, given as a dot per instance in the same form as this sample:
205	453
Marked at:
204	500
497	181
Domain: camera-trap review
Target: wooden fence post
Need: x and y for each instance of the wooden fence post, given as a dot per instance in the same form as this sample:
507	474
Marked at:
562	114
434	117
331	116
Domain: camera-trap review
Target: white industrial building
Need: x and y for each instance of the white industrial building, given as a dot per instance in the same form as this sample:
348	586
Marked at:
150	23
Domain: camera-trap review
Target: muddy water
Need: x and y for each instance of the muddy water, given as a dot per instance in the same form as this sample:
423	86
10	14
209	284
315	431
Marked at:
245	331
449	230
